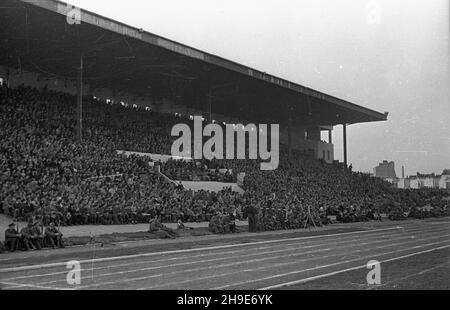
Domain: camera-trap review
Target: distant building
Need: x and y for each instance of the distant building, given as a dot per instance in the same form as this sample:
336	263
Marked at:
404	183
426	181
444	181
385	170
416	183
393	181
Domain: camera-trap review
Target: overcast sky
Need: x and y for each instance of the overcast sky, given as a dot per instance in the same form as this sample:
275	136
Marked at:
386	55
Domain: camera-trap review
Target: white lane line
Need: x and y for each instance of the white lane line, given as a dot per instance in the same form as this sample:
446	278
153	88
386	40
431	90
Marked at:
410	276
249	255
346	270
59	264
13	286
437	223
227	246
237	272
325	266
225	253
410	225
317	267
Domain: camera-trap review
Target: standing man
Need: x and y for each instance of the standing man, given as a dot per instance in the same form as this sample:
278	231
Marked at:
12	238
232	222
251	212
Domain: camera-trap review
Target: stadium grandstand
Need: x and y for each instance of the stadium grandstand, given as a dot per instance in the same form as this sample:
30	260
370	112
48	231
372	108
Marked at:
87	105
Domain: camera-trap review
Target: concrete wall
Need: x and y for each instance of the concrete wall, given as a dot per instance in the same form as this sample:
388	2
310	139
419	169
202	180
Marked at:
404	183
210	186
155	157
308	139
325	151
414	183
393	181
431	182
442	182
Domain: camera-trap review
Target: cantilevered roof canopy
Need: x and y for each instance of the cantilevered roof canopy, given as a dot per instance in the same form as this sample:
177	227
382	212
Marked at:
36	36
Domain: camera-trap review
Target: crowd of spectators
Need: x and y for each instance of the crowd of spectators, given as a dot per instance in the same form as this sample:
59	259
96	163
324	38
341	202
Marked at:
46	172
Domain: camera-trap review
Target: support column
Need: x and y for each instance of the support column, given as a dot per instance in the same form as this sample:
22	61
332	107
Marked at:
210	98
289	128
344	127
7	83
80	100
330	136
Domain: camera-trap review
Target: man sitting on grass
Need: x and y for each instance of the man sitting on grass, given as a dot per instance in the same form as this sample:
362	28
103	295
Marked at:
161	230
54	236
29	239
38	234
12	238
181	226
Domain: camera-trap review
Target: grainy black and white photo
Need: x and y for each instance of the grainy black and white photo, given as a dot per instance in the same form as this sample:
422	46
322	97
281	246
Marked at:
209	146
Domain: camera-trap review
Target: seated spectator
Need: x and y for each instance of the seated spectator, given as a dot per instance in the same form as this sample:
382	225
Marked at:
29	238
38	234
12	238
44	170
54	236
222	224
164	232
181	226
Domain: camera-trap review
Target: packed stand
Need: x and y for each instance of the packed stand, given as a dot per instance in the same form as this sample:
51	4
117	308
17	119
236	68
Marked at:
45	172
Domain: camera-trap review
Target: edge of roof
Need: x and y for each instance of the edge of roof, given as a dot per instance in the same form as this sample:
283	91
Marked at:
106	23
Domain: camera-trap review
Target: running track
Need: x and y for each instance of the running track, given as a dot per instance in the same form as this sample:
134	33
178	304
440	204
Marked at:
257	265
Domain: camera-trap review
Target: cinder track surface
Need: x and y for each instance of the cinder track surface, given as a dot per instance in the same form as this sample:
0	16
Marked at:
279	260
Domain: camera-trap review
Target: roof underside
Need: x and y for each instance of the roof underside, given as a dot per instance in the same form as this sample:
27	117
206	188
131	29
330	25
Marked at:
123	58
